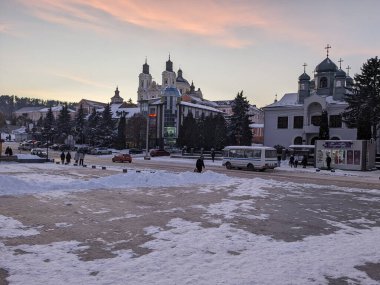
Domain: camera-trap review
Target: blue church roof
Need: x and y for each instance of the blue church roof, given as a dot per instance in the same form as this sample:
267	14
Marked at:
171	91
326	65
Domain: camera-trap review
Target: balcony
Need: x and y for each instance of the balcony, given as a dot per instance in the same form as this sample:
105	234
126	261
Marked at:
311	129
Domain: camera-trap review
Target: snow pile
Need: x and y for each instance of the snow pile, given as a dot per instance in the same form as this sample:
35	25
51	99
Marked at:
33	184
10	228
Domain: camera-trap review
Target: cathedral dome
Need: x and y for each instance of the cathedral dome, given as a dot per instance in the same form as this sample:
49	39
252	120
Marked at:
303	77
326	66
171	91
340	73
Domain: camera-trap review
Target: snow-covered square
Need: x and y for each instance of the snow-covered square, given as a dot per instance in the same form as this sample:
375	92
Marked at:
68	225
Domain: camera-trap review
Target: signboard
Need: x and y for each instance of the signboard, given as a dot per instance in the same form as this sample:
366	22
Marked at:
337	144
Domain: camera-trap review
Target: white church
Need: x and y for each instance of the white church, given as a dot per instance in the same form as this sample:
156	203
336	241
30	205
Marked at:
296	117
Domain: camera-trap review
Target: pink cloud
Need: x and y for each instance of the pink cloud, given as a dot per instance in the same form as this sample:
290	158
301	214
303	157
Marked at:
216	21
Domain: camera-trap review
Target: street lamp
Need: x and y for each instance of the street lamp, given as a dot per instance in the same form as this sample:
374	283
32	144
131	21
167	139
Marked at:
147	134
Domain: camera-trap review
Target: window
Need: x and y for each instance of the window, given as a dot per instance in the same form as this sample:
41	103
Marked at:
302	86
335	121
282	122
316	120
298	140
298	122
323	82
338	83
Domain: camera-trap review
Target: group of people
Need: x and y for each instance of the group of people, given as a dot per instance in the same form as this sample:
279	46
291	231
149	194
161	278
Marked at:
78	157
8	151
294	162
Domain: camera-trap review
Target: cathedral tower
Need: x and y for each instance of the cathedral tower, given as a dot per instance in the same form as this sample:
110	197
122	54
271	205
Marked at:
168	76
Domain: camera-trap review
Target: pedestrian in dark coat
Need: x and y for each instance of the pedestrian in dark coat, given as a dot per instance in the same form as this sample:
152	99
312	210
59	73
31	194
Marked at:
291	160
328	162
200	164
68	157
295	163
10	153
7	151
212	154
304	161
63	157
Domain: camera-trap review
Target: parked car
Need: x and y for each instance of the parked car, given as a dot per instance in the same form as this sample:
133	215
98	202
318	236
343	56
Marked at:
135	151
122	157
39	152
159	152
101	150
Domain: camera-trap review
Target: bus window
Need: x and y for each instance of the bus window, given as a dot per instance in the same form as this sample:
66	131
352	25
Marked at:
270	153
257	153
240	153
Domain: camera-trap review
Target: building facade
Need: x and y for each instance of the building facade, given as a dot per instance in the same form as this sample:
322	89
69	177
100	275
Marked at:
166	105
295	119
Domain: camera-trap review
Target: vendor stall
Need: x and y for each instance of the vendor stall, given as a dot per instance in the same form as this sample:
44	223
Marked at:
346	154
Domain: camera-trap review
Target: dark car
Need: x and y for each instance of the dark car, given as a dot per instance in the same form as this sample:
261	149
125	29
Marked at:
135	151
122	157
159	152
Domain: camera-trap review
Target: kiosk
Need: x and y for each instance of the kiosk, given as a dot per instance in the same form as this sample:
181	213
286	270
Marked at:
346	154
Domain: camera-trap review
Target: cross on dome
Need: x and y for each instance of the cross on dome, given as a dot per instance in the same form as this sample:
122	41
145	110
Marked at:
340	63
304	67
327	49
348	69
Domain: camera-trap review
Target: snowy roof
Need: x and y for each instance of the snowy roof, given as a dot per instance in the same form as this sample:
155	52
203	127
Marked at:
256	125
200	106
28	109
289	99
55	109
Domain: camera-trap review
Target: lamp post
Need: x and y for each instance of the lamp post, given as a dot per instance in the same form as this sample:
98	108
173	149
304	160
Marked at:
147	137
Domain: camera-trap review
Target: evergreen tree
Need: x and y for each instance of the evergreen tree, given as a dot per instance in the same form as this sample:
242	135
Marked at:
79	124
324	132
188	132
92	126
239	130
136	130
220	132
201	136
106	129
49	128
363	111
64	123
121	133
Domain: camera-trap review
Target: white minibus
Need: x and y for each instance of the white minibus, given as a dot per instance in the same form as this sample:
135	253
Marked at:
250	157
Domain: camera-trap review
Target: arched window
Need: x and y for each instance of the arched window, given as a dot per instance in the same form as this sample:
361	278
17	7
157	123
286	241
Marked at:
323	82
312	142
298	140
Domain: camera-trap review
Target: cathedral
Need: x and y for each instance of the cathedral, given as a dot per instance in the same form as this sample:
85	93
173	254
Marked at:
166	105
296	117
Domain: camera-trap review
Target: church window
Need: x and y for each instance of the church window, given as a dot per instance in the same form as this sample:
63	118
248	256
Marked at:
339	83
302	86
323	82
335	121
298	122
316	120
166	81
298	140
282	122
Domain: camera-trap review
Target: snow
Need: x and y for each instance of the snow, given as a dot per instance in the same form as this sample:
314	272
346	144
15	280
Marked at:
183	251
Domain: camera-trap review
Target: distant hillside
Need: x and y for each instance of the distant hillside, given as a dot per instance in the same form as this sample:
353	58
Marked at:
11	103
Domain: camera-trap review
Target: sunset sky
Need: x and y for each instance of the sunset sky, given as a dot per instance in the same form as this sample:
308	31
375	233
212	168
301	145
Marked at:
73	49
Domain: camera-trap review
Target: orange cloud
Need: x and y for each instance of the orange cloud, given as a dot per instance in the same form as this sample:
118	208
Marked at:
216	21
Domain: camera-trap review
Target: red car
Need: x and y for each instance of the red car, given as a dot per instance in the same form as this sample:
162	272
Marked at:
122	157
159	152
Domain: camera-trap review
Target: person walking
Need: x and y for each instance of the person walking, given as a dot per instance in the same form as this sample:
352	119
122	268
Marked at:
81	158
212	154
200	164
279	160
10	152
304	161
328	162
63	157
76	157
68	157
291	161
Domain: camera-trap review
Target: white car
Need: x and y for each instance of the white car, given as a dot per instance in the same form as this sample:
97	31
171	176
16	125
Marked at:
39	152
101	150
